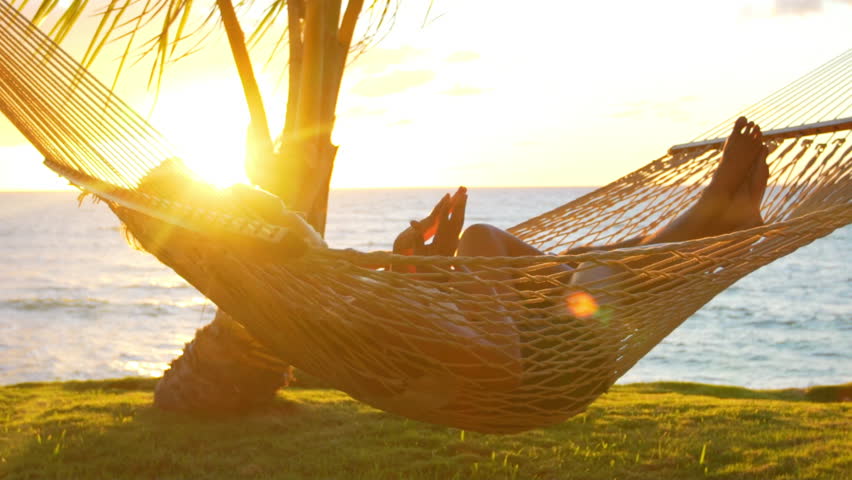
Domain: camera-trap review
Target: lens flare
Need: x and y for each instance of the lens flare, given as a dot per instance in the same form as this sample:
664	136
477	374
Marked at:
581	305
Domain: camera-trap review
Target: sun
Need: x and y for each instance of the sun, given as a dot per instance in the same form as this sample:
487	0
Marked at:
207	123
218	169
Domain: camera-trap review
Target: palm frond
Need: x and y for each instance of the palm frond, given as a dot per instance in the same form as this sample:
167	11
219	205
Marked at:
99	38
271	13
179	21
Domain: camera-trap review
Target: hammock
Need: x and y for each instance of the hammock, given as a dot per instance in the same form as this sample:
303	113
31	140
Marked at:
329	313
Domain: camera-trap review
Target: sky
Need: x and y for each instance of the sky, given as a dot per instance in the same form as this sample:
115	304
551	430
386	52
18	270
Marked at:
497	93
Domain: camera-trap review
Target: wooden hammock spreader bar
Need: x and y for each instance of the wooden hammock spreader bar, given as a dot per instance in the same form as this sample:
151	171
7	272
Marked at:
829	126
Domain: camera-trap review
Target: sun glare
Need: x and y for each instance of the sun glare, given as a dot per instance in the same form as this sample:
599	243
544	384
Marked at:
218	170
581	305
209	130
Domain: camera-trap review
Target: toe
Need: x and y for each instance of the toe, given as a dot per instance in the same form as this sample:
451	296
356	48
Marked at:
739	124
749	129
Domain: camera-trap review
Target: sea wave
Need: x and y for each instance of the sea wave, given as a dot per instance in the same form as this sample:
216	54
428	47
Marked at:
71	305
45	304
159	287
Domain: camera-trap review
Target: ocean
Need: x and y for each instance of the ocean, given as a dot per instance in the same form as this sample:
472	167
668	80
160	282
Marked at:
76	302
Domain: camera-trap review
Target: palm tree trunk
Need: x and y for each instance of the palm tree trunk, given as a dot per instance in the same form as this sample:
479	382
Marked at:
223	369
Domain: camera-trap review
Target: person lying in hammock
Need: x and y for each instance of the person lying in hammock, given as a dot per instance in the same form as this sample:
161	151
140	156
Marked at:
493	355
729	203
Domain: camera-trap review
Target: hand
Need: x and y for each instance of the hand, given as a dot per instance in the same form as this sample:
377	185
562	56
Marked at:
427	227
444	224
450	223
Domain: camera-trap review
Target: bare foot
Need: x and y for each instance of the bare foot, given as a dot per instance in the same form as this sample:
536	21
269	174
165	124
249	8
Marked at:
744	207
738	156
732	200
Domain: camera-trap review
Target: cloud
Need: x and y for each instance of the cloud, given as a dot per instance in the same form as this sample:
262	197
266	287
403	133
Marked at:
380	59
797	7
391	83
780	8
462	56
463	90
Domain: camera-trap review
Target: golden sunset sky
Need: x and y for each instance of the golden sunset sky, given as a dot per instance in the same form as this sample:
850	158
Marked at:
498	93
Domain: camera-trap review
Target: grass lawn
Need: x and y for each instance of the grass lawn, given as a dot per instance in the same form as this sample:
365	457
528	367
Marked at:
108	429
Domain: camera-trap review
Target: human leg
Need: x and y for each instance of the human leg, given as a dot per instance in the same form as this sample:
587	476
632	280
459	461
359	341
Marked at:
732	199
484	240
730	202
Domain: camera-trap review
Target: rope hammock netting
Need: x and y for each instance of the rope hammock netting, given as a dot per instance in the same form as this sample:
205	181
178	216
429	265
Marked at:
392	339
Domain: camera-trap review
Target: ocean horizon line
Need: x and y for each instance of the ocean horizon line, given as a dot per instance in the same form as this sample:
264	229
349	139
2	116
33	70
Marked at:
333	189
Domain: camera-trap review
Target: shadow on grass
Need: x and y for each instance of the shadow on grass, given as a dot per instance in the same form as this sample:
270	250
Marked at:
110	438
109	429
827	393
